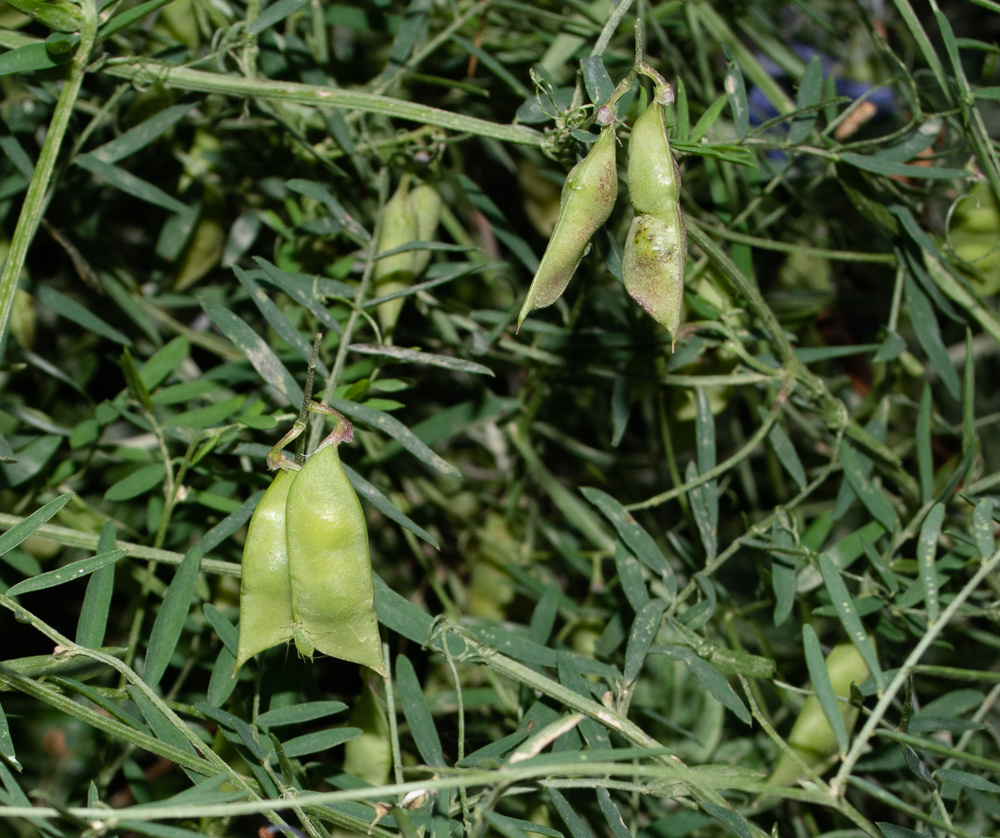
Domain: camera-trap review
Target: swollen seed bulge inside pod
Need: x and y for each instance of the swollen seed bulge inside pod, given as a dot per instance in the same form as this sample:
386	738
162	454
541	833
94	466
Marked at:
588	197
653	267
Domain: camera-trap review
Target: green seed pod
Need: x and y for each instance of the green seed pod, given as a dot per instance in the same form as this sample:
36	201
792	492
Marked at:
974	232
333	593
424	207
654	183
265	586
399	227
588	197
653	267
812	738
369	756
426	203
656	247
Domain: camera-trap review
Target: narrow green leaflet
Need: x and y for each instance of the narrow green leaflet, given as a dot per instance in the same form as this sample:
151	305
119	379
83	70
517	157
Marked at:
170	619
91	626
928	332
848	614
967	780
401	354
66	664
128	17
210	416
784	450
912	144
711	679
299	713
371	493
276	317
635	536
594	733
596	79
925	461
502	823
76	570
729	818
23	529
890	830
6	743
736	92
390	426
82	316
257	352
128	183
137	483
611	814
164	362
305	290
783	571
701	498
417	713
275	13
982	527
29	58
231	523
574	823
314	743
874	500
810	91
890	168
630	578
930	532
142	134
707	119
162	727
644	629
318	192
823	687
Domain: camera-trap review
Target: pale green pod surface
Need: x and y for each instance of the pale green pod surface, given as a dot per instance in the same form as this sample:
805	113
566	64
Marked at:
425	207
333	593
265	587
654	182
588	197
653	267
399	227
425	201
812	738
369	756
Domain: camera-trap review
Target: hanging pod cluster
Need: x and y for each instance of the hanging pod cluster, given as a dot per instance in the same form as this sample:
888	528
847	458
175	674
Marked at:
656	247
306	571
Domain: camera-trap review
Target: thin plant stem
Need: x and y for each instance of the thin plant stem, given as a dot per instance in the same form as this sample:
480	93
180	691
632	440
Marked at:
36	197
933	632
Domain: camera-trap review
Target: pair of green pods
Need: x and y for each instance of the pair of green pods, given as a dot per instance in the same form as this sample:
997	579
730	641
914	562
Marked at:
307	574
409	215
656	247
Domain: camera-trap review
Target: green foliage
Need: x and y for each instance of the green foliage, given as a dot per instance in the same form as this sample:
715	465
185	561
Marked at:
606	570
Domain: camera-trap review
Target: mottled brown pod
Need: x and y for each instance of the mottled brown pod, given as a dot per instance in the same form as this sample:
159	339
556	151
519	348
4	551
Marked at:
656	248
653	268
